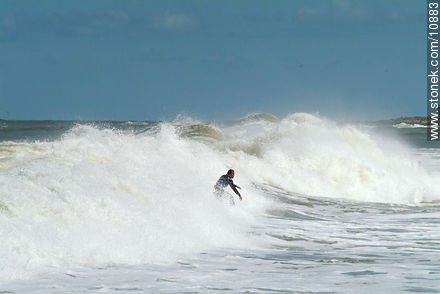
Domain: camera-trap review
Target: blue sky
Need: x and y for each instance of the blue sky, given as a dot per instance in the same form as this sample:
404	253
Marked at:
211	60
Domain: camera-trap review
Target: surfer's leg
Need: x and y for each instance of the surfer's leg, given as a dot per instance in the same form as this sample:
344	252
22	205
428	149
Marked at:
218	194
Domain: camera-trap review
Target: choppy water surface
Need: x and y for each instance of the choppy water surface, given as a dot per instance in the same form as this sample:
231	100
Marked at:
327	209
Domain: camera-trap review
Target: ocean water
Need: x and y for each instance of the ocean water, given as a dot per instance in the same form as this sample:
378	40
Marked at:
127	207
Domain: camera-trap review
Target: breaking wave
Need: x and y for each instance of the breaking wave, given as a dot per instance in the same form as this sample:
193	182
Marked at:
99	196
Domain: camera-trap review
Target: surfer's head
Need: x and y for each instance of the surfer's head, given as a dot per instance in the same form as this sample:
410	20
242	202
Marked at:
231	173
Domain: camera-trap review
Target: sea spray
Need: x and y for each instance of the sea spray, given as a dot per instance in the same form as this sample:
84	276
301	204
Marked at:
99	197
314	156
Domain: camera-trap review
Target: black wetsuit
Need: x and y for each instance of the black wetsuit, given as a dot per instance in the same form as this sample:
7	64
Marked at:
224	181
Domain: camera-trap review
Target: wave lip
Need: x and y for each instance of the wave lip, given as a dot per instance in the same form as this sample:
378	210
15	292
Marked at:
255	117
200	132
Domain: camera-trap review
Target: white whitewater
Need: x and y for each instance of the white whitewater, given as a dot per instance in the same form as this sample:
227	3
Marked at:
100	197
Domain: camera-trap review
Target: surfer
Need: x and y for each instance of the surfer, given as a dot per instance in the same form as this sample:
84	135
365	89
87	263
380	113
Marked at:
226	180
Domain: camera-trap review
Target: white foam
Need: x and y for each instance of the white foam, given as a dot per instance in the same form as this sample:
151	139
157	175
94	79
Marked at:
314	156
408	126
98	197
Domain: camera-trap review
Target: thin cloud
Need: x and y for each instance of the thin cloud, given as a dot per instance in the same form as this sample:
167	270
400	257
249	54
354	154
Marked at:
339	10
67	24
174	22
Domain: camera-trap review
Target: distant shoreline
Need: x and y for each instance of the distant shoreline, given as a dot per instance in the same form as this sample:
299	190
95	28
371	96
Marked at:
420	120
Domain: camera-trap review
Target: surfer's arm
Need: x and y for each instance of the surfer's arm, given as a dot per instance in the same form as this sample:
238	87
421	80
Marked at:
233	186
